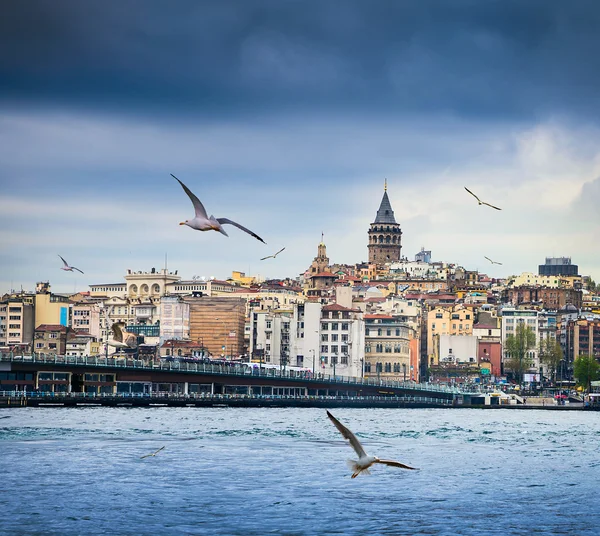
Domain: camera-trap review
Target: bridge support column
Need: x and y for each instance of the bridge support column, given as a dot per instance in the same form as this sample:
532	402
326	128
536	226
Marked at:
185	388
212	388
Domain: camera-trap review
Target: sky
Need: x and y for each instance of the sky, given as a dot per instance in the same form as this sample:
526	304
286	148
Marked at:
286	116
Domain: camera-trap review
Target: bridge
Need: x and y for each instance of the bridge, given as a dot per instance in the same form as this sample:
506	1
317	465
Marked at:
113	380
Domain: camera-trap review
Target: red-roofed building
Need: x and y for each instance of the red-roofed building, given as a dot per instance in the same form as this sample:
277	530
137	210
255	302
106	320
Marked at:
50	339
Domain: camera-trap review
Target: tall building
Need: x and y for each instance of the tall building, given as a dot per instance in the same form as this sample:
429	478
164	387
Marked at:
558	266
16	321
385	236
50	308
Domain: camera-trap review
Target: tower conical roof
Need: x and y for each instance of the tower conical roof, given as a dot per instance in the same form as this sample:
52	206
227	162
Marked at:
385	214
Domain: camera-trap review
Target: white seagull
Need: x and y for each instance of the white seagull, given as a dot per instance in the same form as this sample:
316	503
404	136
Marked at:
152	453
272	256
493	262
68	268
364	460
480	201
122	338
201	221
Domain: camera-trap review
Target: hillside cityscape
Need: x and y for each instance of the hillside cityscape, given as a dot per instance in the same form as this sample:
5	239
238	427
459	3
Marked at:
390	318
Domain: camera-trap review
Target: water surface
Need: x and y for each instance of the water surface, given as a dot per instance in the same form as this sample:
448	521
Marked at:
261	471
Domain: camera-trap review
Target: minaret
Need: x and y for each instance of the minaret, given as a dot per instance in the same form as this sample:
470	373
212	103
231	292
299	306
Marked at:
385	236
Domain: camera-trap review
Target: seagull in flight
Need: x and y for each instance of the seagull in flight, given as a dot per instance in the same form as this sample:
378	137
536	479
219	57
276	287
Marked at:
122	338
364	460
493	262
201	221
152	453
272	256
68	268
480	201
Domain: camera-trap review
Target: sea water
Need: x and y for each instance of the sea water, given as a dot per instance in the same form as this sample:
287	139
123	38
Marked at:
283	471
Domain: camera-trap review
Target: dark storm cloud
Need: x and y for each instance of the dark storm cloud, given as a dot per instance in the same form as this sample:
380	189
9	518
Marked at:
471	57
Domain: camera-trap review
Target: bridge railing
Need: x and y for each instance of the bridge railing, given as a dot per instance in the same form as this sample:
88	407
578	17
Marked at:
234	369
191	397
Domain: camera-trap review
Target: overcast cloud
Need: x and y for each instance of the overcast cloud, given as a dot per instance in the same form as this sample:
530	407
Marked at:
286	116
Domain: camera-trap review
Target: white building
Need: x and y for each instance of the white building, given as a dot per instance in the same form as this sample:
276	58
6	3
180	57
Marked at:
328	338
458	349
174	318
511	318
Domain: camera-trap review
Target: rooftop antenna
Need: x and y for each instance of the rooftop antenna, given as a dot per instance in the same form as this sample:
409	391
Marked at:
385	185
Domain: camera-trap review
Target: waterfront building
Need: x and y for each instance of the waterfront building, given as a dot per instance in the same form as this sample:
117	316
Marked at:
387	348
50	339
582	338
50	308
511	318
82	344
446	320
174	318
85	317
16	322
385	235
218	322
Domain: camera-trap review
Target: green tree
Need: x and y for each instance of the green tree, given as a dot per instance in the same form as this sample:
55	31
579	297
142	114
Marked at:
551	355
586	369
516	347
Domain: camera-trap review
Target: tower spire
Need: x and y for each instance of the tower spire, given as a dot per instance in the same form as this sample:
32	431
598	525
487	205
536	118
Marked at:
385	185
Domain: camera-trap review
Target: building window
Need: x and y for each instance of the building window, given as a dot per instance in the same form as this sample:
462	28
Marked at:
324	348
397	333
324	326
268	324
344	360
345	326
344	338
334	337
334	326
334	349
324	337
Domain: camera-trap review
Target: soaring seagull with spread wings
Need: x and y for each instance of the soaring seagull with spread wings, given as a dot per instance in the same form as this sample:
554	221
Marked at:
201	221
152	453
68	268
493	262
480	201
122	338
364	460
272	256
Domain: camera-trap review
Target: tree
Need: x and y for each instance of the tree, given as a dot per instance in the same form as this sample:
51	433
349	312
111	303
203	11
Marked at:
516	347
551	355
586	369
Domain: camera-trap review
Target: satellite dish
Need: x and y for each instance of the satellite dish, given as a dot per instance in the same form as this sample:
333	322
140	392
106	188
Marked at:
203	278
212	277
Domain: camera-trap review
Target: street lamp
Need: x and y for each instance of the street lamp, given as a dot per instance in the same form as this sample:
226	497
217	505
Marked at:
225	336
313	353
404	368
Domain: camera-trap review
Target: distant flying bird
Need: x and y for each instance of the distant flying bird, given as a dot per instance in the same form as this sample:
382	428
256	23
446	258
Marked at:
201	221
122	338
68	268
493	262
152	453
272	256
364	460
480	201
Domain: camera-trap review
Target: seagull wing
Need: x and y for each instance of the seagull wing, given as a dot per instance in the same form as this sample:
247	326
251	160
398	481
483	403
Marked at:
488	259
224	221
348	435
269	257
393	463
117	331
66	263
278	252
161	448
76	269
484	203
198	206
472	194
498	263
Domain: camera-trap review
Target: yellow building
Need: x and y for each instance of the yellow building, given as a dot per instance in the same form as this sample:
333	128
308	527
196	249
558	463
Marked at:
243	280
453	320
52	309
